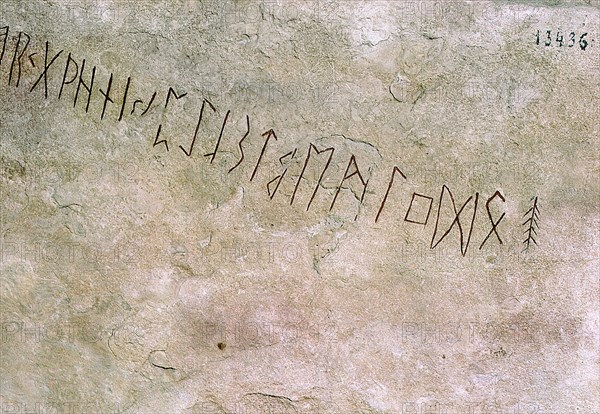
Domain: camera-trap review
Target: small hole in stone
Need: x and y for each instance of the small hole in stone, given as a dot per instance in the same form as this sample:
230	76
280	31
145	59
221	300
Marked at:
443	356
221	345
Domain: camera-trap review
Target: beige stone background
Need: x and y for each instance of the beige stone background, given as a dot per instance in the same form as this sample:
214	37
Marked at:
140	280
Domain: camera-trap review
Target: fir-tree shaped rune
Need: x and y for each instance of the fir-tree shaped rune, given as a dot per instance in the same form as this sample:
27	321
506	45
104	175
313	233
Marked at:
531	223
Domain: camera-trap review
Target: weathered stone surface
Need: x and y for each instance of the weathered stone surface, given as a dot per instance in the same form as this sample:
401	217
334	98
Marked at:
288	242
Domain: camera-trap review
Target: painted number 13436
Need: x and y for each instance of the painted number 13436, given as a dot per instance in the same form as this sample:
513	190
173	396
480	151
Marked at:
567	40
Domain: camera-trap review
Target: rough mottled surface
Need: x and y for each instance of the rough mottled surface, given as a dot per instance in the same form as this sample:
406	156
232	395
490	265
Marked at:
350	207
